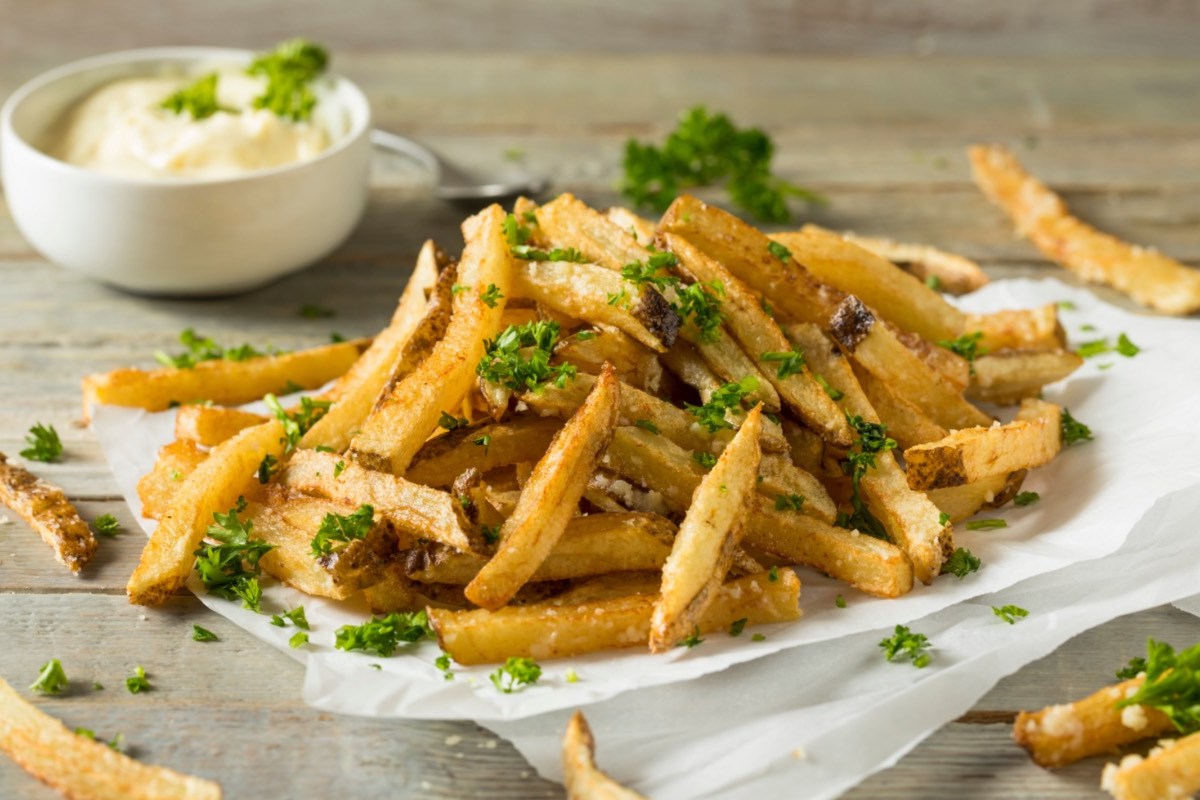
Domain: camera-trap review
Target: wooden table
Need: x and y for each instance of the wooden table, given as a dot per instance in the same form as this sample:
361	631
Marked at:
1103	102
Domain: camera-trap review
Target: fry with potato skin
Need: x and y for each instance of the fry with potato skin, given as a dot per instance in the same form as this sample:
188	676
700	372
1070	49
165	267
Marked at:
962	502
550	498
227	473
581	778
710	532
49	512
83	768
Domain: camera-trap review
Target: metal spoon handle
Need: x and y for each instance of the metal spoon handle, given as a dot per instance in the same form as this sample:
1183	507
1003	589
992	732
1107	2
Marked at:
403	146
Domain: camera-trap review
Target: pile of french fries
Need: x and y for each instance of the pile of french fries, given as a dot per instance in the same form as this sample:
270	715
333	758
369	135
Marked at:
562	455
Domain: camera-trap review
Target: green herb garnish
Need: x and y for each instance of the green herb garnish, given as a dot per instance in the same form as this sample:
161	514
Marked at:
203	634
516	674
383	635
44	444
519	358
1073	430
492	295
202	348
1010	614
692	639
313	311
872	440
906	644
442	662
1026	498
961	563
289	69
789	502
230	569
704	459
738	626
1172	685
295	616
298	422
451	423
966	346
342	528
834	394
137	682
198	99
790	363
267	467
51	678
106	525
727	398
986	524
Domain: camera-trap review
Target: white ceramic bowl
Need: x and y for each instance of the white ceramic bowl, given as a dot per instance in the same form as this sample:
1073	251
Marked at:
179	236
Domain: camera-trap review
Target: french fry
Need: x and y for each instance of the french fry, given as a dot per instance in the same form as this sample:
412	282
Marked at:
894	294
1170	770
1063	734
81	767
484	446
609	587
777	476
211	425
362	385
587	291
414	510
214	486
636	364
640	228
582	779
758	336
882	354
906	422
550	498
711	531
1148	276
220	381
158	487
591	545
49	512
940	270
963	502
968	455
745	252
401	422
549	630
806	449
694	365
1019	329
1010	377
568	222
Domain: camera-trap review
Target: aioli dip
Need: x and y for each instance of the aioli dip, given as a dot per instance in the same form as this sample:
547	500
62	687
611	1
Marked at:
122	129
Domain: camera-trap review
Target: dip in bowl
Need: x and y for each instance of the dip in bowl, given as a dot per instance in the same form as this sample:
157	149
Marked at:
240	186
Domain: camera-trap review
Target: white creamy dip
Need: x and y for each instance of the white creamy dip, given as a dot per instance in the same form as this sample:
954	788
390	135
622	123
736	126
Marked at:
122	129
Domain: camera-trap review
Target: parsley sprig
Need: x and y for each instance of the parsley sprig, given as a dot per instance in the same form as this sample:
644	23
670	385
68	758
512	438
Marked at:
1073	430
516	674
1010	614
1172	684
296	616
872	440
202	348
966	346
382	635
137	682
519	358
106	525
729	397
790	363
51	679
703	149
298	422
290	69
44	444
198	99
906	644
518	234
962	562
342	528
230	568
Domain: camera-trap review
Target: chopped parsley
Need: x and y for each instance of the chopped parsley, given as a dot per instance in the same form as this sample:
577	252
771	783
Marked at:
339	468
295	616
705	148
137	682
442	662
516	674
702	302
834	394
773	575
1073	430
738	626
1135	667
450	422
872	440
490	533
484	441
966	346
704	459
114	744
298	639
44	444
313	311
943	519
201	348
1066	305
692	639
934	283
620	299
1100	347
571	675
203	634
297	423
51	678
107	525
383	635
267	467
790	363
840	602
1172	685
336	338
986	524
175	475
230	568
961	563
1010	614
198	99
758	637
492	295
647	425
289	69
519	358
342	528
789	502
583	336
1026	498
729	397
904	644
652	270
779	251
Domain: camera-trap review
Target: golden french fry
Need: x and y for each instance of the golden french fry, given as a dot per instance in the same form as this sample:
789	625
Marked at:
940	270
81	767
214	486
726	361
552	630
636	364
567	221
550	498
1063	734
761	338
402	420
49	512
892	293
640	228
1010	377
962	502
906	422
711	531
1019	329
1170	770
158	487
807	449
777	476
582	779
415	511
220	381
971	454
211	425
485	447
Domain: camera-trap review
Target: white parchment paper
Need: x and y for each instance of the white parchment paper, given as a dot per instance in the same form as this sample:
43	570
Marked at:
1141	411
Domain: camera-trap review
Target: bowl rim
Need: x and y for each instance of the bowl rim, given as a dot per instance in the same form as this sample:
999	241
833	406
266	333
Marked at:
359	129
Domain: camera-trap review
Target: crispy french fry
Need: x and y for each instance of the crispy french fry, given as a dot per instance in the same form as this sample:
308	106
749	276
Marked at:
906	422
221	381
759	336
1010	377
711	531
1061	735
81	767
158	487
591	545
49	512
550	498
1170	770
897	296
550	630
211	425
1019	329
745	252
807	449
940	270
697	365
582	779
962	502
485	446
402	421
414	510
214	486
640	228
568	222
777	476
971	454
636	364
1149	277
882	354
362	385
588	291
